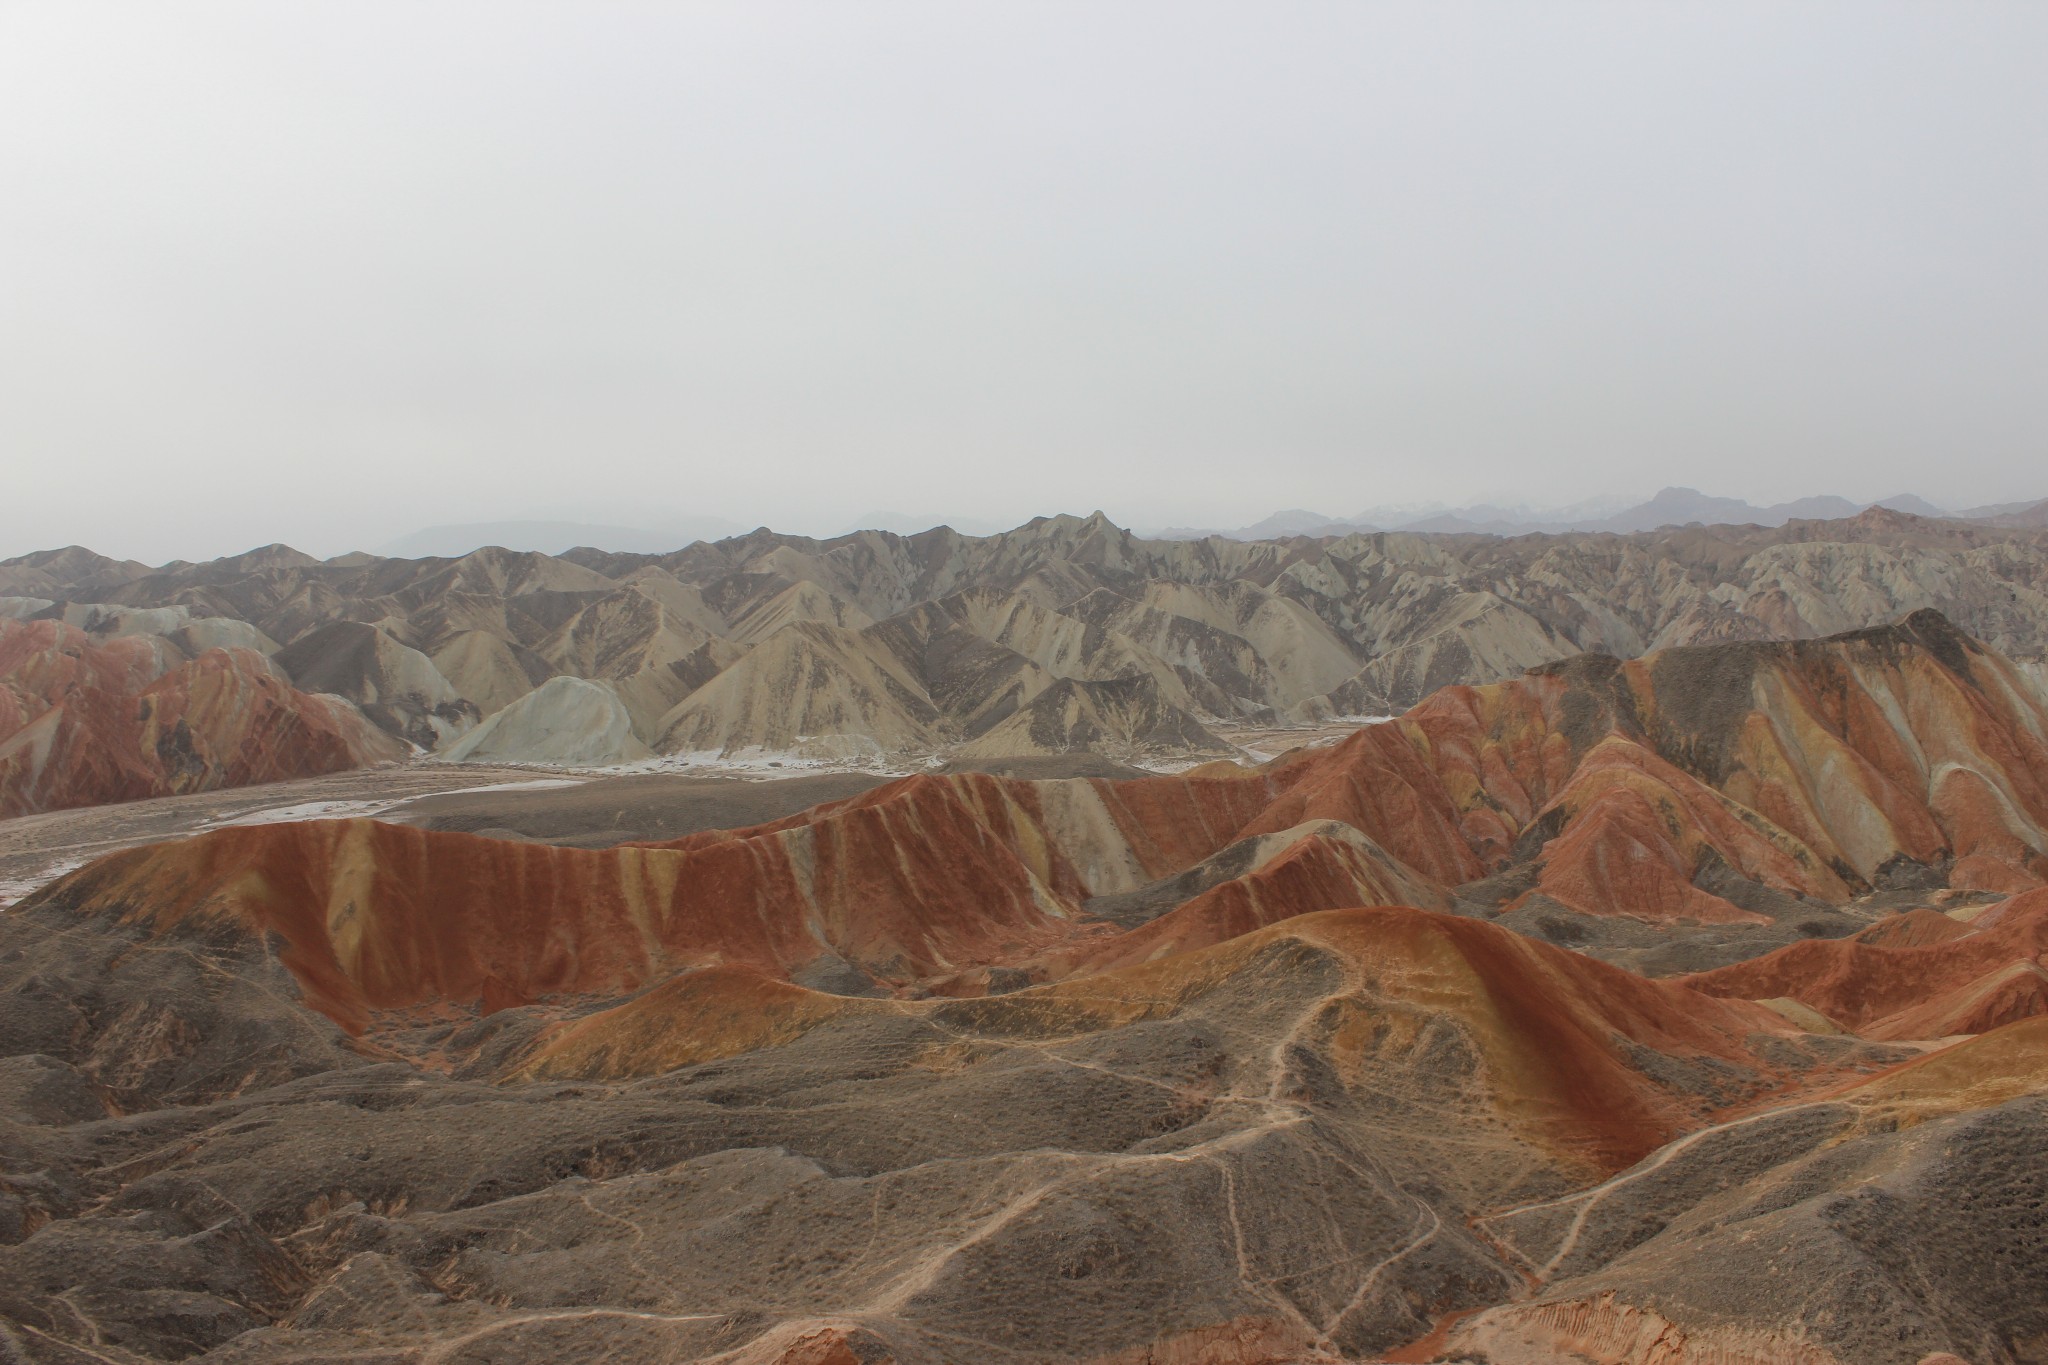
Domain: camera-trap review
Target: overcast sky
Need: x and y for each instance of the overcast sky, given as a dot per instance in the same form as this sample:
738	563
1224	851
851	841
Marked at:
326	273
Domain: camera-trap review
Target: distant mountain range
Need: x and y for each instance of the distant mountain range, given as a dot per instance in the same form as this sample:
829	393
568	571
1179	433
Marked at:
1067	633
1671	507
914	523
556	537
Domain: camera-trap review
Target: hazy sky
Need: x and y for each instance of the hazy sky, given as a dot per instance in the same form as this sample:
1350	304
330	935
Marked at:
327	273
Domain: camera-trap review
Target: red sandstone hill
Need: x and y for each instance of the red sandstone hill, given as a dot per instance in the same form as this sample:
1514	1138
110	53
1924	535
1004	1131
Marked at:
83	723
1988	973
922	879
1555	1028
1810	766
1149	1070
1811	769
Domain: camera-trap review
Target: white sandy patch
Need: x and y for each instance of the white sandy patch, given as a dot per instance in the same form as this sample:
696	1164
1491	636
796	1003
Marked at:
535	784
306	810
758	762
349	810
1168	767
13	889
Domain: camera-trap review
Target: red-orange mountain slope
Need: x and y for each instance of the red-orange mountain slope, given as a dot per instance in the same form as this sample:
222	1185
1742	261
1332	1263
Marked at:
1815	768
1555	1028
83	724
1991	972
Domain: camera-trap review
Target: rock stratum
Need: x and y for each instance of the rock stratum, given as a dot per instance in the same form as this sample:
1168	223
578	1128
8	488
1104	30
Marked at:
85	721
1063	635
1687	1008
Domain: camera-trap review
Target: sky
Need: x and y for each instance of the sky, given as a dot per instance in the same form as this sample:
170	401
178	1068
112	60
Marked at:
330	273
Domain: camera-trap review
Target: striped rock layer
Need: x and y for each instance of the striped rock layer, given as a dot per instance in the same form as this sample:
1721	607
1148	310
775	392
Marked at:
83	722
1220	1067
1610	785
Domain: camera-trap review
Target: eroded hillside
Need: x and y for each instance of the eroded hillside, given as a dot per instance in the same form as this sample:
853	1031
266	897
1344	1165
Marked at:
1519	1027
1064	635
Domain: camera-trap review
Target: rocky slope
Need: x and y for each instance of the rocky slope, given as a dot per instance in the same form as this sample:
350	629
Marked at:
1267	1149
1746	788
1925	978
874	643
1373	1051
88	719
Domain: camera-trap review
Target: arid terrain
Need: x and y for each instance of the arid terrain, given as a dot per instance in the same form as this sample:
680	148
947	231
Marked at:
886	652
1684	1008
1387	703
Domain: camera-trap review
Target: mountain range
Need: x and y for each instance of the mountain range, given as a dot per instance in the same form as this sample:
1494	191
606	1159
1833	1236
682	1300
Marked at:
1066	634
554	537
1664	1011
1671	507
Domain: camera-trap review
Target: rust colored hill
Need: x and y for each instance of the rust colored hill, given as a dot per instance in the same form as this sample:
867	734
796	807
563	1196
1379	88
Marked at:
976	1067
913	881
1814	769
1913	929
1978	1073
1556	1029
1808	771
83	723
1989	974
379	917
1558	1035
1254	883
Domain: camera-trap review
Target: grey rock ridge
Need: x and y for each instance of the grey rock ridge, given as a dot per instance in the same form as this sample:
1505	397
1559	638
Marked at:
1065	633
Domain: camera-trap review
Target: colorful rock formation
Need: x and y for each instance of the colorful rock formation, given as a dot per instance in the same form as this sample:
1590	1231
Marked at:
84	723
932	882
1226	1066
1977	977
1062	633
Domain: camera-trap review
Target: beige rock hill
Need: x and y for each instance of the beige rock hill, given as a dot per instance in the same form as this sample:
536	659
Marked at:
805	681
490	670
634	641
908	643
797	604
395	685
565	720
